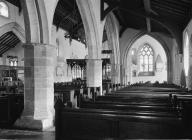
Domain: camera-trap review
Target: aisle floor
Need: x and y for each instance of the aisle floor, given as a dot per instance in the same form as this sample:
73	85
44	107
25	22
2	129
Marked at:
11	134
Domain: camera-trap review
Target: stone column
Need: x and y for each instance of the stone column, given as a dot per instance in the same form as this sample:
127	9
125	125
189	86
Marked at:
113	73
118	79
38	89
94	73
122	74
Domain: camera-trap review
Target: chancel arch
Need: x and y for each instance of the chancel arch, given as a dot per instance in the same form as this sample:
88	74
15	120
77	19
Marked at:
146	59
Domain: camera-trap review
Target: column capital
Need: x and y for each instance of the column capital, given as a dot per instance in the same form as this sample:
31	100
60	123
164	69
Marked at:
26	45
39	50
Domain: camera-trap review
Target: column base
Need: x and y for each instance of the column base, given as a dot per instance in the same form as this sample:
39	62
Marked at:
28	122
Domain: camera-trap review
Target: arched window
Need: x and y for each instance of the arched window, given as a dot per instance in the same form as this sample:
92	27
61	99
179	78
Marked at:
146	59
4	9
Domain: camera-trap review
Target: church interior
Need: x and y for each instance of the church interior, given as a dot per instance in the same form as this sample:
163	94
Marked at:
95	69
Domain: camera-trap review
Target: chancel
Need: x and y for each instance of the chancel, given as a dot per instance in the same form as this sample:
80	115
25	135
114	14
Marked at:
95	69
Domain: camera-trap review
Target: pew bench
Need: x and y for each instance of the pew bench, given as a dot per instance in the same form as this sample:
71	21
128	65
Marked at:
133	100
11	107
184	103
126	106
102	124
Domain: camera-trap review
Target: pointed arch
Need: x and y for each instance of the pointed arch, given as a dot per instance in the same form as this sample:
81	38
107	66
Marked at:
93	27
15	28
38	17
113	36
162	43
112	30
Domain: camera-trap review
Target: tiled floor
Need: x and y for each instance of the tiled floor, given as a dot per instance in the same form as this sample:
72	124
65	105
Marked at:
11	134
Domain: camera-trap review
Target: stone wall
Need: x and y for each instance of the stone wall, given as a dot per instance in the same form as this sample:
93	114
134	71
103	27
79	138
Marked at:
66	49
188	44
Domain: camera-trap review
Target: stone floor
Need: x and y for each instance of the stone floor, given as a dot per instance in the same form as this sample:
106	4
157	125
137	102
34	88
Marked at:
12	134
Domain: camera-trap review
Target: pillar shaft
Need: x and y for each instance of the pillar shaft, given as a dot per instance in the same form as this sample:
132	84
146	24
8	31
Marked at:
115	73
94	73
38	90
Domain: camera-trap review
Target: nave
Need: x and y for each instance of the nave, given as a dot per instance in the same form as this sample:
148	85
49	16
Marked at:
132	112
87	67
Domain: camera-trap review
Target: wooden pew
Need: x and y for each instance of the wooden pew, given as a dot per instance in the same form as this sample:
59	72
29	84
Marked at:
109	124
138	100
11	107
4	109
127	106
184	103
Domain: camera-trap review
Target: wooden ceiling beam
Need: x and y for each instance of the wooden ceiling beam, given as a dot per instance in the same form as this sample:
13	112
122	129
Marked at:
111	6
64	16
170	11
167	7
4	50
180	6
147	7
4	38
3	47
68	2
77	27
14	42
120	17
183	1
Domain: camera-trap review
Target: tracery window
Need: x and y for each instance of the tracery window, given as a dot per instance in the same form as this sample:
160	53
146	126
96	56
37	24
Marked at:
146	59
4	9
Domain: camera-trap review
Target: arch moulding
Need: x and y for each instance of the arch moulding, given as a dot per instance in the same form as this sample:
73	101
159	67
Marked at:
15	28
163	44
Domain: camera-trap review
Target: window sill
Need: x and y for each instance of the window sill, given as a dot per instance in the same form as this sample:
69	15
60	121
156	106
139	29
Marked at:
151	73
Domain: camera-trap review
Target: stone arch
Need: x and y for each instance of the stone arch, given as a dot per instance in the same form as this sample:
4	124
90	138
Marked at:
112	30
162	43
15	28
43	21
93	27
38	17
31	21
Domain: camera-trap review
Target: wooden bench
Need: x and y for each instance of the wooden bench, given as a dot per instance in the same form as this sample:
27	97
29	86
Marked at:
108	124
126	106
138	100
11	107
184	103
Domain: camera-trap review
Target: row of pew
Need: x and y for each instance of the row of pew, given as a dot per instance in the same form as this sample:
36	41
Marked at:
11	107
65	90
154	113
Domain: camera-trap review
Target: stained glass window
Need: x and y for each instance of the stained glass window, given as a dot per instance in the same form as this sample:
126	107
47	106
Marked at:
4	9
146	59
